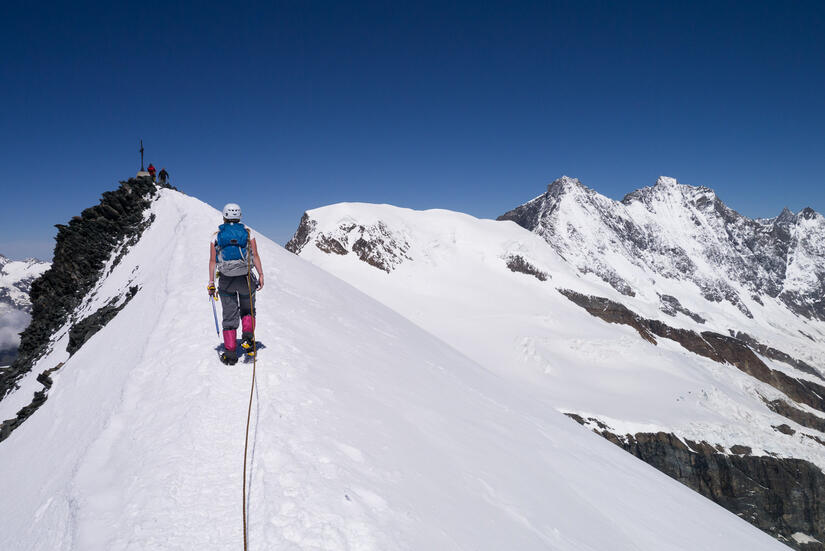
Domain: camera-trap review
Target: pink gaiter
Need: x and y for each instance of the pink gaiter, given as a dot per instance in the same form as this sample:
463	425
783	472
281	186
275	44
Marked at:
248	324
229	339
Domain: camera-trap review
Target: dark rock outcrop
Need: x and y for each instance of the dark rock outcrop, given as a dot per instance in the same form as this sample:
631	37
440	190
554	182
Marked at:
302	234
45	379
671	306
804	418
517	263
7	356
774	354
8	426
83	330
373	244
780	496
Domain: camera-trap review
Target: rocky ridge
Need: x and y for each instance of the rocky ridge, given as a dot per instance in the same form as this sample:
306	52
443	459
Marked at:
90	245
374	244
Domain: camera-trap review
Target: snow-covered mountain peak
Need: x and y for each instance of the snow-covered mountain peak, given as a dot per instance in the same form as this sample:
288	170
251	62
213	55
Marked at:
668	190
564	183
666	181
810	214
785	217
685	233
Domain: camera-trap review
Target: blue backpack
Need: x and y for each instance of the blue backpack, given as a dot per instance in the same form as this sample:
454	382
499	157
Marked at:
231	241
231	249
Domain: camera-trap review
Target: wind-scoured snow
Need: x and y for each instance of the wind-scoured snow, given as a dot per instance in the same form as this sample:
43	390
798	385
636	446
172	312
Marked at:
368	432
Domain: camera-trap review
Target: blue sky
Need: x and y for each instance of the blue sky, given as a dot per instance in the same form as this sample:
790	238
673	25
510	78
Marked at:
471	106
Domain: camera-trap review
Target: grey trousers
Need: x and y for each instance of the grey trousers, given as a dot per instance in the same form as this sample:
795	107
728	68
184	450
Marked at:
235	299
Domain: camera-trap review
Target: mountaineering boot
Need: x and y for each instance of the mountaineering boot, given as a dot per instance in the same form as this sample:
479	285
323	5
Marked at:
230	345
248	344
229	357
247	336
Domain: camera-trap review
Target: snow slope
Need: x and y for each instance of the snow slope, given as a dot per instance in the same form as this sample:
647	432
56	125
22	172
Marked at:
368	432
448	273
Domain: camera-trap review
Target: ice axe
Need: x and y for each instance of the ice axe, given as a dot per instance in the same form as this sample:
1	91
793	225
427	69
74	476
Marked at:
213	300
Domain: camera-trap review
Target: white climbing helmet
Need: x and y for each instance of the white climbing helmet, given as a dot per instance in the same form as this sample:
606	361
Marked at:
232	211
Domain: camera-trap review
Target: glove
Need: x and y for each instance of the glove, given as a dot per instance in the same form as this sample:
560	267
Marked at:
211	288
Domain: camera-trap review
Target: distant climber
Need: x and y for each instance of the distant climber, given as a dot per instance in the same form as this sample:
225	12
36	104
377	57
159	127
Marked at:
234	252
151	170
163	176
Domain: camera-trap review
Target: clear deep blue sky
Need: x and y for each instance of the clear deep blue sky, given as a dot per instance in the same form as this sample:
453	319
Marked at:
470	106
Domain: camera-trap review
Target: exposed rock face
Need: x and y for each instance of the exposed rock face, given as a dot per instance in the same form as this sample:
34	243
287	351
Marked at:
774	354
83	247
517	263
671	306
83	330
779	495
302	234
682	232
374	244
804	418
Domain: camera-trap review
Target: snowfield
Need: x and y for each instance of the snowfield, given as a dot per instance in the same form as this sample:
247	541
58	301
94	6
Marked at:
456	284
368	433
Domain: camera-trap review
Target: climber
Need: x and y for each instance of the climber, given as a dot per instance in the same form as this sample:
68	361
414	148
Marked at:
163	176
234	252
151	171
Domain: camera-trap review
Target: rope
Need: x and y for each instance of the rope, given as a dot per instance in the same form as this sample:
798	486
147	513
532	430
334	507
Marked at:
251	389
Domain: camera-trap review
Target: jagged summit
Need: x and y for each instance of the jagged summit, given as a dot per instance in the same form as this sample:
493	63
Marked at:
564	183
785	219
685	233
668	189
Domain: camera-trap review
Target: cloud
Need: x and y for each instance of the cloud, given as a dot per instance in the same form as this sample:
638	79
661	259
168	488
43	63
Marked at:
12	323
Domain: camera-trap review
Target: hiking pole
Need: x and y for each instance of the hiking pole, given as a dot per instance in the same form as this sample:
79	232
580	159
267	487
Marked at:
213	300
